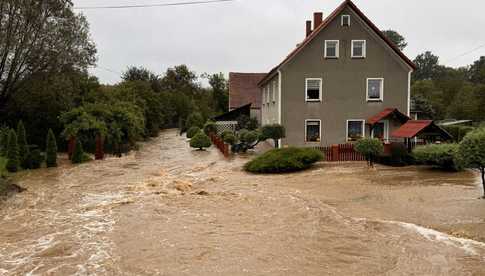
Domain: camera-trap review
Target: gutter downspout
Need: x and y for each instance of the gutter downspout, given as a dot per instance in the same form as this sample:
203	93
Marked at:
279	102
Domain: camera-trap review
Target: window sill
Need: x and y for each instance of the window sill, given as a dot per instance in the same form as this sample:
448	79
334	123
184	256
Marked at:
313	101
375	101
331	57
358	57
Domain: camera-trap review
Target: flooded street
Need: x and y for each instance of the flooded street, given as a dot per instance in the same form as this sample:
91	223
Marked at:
168	210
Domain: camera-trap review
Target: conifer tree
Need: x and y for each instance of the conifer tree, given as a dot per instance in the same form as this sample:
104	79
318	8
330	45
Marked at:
51	150
23	146
13	152
78	155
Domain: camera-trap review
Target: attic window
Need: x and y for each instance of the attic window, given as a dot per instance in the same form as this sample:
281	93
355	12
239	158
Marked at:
358	49
345	20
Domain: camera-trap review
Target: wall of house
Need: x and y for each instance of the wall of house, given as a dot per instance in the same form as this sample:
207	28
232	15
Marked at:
270	102
344	83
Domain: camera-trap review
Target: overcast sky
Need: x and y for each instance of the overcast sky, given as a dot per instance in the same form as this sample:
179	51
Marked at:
255	35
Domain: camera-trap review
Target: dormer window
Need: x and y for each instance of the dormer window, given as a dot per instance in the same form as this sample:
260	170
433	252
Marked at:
345	20
358	48
331	48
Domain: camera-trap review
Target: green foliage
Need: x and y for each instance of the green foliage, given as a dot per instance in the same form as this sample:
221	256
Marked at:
458	132
4	141
13	163
220	93
252	124
370	148
472	149
226	132
396	38
192	132
443	156
78	155
35	158
229	138
51	150
427	66
477	71
274	132
194	120
242	122
23	145
200	141
210	127
249	137
3	167
284	160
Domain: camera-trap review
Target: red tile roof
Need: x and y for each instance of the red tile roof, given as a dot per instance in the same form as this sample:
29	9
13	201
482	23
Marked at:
244	89
387	112
412	128
324	24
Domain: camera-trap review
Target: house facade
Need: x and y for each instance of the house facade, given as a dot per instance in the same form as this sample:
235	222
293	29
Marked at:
344	73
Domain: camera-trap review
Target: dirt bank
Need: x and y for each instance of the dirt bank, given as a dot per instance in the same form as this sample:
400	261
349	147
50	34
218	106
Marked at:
167	210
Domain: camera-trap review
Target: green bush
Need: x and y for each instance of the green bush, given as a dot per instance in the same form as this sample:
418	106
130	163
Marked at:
284	160
200	141
370	148
458	132
13	162
4	142
192	132
252	124
194	120
78	156
23	146
249	137
3	167
210	127
274	132
472	152
226	132
443	156
36	158
230	138
51	150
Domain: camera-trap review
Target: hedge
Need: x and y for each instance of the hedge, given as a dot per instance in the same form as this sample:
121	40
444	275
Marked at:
284	160
442	156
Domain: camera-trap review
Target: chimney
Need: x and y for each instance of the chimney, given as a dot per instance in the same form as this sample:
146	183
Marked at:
308	28
317	19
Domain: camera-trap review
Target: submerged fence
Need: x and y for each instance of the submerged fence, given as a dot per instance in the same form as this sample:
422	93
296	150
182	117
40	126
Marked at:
341	153
219	143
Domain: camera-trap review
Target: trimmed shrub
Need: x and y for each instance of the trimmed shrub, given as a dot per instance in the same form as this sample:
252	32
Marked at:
370	148
284	160
210	127
4	142
78	154
274	132
36	158
230	138
194	120
23	146
227	132
458	132
51	150
442	156
192	132
249	137
472	152
13	162
200	141
3	167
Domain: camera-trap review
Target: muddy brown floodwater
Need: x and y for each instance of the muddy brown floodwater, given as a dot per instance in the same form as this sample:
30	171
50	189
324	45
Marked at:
168	210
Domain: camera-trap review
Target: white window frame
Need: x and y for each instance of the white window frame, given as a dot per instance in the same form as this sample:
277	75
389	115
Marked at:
386	130
347	128
381	98
337	50
306	90
364	48
320	130
342	20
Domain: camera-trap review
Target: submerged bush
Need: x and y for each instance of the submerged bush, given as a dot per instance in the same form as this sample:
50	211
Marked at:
51	150
284	160
200	141
370	148
36	158
472	152
210	127
192	132
78	155
443	156
229	138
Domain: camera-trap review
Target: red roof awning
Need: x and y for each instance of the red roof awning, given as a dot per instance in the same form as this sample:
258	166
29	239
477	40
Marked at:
412	128
386	113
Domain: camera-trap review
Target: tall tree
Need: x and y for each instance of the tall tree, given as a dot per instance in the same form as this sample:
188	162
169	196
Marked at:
477	71
427	66
181	80
220	93
40	36
397	38
142	74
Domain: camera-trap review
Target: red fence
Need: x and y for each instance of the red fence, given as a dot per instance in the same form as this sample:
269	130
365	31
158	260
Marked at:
223	147
341	153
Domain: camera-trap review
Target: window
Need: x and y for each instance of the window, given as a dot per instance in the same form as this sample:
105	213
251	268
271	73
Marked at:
375	89
358	48
313	90
345	20
331	48
381	130
355	130
312	131
275	90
